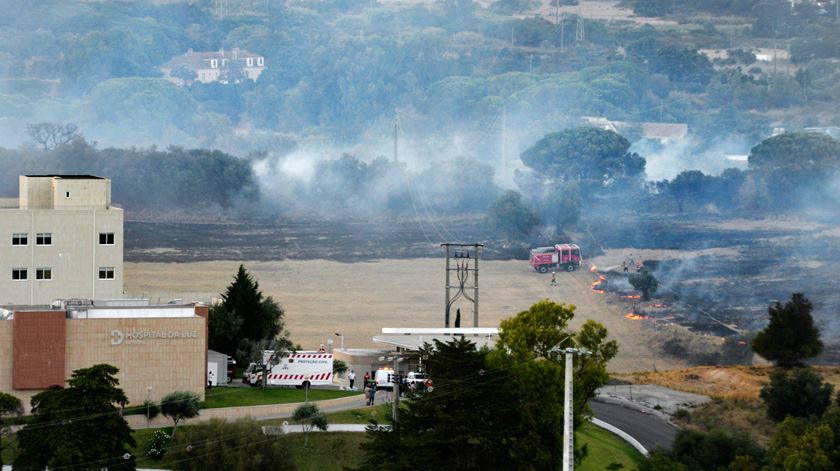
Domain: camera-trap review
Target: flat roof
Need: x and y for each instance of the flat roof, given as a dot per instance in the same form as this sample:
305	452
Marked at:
68	177
415	342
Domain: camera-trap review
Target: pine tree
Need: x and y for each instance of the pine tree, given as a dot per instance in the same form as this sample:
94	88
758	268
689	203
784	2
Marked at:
791	335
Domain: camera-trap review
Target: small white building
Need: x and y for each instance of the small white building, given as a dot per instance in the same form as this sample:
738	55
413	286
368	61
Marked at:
214	66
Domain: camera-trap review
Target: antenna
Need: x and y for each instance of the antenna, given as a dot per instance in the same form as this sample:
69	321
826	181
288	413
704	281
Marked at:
396	135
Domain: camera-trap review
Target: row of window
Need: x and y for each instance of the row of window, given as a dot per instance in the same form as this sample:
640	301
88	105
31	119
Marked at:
45	238
22	274
249	62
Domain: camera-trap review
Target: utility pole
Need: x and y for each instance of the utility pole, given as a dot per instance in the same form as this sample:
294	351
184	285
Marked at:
568	413
397	380
466	262
396	134
504	143
563	33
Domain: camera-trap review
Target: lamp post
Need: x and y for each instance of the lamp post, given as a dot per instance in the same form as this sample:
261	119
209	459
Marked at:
342	339
148	403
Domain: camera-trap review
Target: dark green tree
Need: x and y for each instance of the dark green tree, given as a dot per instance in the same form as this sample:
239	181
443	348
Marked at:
686	186
799	393
796	151
9	406
466	422
645	282
512	217
258	318
587	153
180	405
79	427
218	444
800	443
791	335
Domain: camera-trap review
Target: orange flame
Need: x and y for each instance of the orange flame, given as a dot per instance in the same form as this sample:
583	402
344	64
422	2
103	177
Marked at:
597	283
635	317
632	296
593	268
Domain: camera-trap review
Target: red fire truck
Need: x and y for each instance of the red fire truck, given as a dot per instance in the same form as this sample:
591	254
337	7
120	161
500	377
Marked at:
561	256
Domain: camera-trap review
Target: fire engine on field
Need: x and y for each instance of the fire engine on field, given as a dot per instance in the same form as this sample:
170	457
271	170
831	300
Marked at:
561	256
300	369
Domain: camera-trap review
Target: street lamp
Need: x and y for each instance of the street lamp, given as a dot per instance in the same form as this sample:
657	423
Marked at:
342	339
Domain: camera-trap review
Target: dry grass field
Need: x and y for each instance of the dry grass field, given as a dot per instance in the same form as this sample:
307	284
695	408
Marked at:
739	383
322	297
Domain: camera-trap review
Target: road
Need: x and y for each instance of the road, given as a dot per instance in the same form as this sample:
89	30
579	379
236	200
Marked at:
649	430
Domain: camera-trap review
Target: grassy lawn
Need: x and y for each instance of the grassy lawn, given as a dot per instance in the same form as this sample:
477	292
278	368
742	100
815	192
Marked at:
379	413
232	397
605	448
326	451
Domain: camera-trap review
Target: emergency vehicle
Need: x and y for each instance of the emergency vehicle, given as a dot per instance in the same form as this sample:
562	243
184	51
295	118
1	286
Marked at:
300	369
561	256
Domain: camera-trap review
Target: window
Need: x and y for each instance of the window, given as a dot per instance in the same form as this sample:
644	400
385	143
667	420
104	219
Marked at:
18	274
106	238
43	273
20	238
66	194
43	238
259	61
214	63
250	61
106	273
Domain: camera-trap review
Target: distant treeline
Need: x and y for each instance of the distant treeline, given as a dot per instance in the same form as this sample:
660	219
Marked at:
173	179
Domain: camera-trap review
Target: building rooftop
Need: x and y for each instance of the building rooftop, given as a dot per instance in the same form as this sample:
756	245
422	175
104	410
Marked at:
200	60
68	177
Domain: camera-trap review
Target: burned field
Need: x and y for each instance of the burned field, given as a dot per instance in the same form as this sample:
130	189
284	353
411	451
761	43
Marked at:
716	277
726	294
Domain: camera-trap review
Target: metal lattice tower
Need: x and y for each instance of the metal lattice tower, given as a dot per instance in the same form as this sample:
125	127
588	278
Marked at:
466	258
580	34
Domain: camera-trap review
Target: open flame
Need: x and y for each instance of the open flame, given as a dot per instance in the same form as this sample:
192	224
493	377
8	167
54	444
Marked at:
636	317
658	305
597	283
594	268
632	296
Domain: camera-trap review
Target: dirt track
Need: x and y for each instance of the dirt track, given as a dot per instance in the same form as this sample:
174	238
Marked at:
358	299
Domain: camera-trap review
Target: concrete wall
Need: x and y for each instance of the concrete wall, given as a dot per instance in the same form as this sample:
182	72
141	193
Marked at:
84	193
74	256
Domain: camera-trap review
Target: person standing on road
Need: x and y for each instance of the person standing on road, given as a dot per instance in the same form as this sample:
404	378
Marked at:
371	388
366	379
352	378
553	278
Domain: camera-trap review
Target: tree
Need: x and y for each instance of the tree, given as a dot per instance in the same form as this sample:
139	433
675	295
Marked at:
9	405
57	439
52	135
803	444
800	393
466	421
791	335
218	444
180	405
686	185
796	151
245	318
587	153
512	217
184	72
339	367
645	282
310	417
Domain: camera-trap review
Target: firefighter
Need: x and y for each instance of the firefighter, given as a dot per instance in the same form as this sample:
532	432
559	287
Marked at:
553	278
624	265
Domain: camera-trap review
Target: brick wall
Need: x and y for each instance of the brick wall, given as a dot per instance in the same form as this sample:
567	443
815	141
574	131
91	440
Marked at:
38	339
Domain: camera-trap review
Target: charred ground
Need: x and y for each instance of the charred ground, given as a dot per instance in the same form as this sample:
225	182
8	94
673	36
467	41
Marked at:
768	260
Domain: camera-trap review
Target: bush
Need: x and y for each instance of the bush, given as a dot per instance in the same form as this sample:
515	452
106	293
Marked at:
799	394
219	444
158	444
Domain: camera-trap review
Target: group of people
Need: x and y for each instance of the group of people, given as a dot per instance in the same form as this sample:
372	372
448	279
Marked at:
368	383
